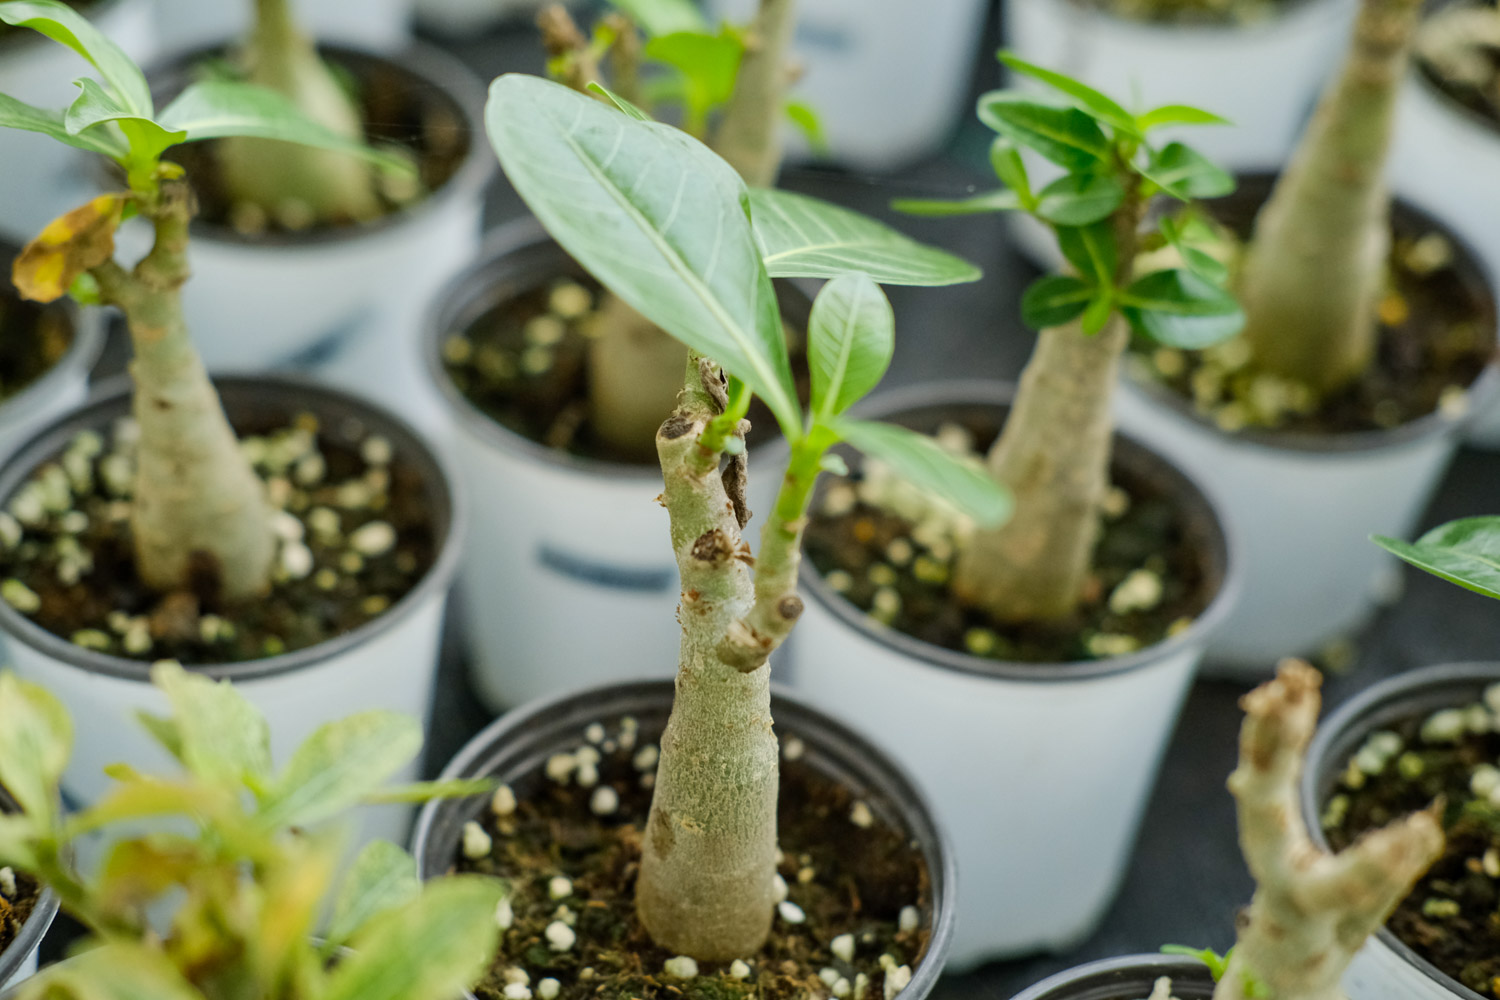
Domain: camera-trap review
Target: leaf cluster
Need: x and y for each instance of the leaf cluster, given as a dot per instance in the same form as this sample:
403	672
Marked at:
671	229
239	856
1111	168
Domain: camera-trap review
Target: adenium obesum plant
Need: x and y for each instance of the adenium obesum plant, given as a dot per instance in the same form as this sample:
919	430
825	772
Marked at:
671	229
222	897
199	516
1312	910
1312	275
730	85
284	180
1054	451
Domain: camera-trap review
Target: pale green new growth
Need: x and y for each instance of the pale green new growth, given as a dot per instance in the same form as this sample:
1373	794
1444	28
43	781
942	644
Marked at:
236	863
198	516
662	222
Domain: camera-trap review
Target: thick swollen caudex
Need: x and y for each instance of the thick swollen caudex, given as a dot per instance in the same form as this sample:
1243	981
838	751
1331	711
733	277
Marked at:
1312	910
634	377
749	134
705	887
290	182
1312	276
199	516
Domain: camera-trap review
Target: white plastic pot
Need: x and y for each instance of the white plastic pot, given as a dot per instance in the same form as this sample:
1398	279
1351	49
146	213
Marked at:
304	300
1444	160
570	579
1385	968
61	388
464	18
388	663
377	24
1263	77
40	178
19	961
1130	977
1040	772
888	78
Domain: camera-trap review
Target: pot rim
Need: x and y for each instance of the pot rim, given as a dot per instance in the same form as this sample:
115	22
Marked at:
1197	34
25	39
1189	493
1481	391
29	938
456	297
817	728
1352	717
1055	986
88	342
434	68
111	399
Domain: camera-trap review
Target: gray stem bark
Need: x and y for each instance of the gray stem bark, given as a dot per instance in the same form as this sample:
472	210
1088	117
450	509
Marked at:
749	135
1311	278
200	517
1312	910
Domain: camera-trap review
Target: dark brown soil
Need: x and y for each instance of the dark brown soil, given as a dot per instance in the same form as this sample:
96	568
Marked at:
867	552
1193	12
1451	917
1436	336
401	114
844	877
72	571
16	910
33	338
526	365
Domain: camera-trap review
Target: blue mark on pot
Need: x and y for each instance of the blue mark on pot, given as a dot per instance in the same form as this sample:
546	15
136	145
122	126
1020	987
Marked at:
823	37
601	574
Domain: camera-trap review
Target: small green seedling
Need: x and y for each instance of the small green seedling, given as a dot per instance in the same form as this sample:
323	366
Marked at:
199	515
238	862
1055	448
1312	910
671	229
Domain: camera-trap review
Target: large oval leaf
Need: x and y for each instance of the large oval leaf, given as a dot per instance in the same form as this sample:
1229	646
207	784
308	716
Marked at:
1067	136
66	26
1055	300
1177	308
1465	552
919	460
1080	199
850	341
802	237
657	217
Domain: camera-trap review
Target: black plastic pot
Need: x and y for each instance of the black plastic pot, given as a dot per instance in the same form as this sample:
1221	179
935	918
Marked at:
1129	978
1399	969
14	958
515	748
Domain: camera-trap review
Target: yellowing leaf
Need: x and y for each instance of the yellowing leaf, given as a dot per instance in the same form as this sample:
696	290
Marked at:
70	245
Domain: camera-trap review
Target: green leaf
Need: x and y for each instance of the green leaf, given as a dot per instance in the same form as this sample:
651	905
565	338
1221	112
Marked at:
1101	308
1200	262
433	948
163	731
1067	136
382	876
1090	249
36	739
919	460
340	764
1000	200
138	797
657	218
850	340
222	737
663	17
115	970
218	109
1216	963
19	834
20	115
94	106
620	102
1080	199
1177	114
1087	97
802	237
66	26
709	64
425	791
1465	552
807	120
1184	173
1054	300
1010	167
1177	308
